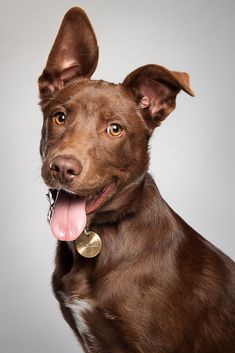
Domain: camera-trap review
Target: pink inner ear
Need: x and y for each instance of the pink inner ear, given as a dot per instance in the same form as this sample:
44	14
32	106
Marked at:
153	104
145	102
64	76
156	96
69	72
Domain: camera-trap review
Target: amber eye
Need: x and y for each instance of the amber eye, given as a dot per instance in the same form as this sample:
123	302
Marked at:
59	118
115	130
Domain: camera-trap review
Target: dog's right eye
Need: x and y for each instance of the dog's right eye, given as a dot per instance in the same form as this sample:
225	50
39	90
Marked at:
59	118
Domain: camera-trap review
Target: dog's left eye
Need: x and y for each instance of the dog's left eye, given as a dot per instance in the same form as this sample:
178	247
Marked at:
114	130
59	118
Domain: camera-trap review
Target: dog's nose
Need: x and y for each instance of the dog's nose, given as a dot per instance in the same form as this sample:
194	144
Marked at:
65	168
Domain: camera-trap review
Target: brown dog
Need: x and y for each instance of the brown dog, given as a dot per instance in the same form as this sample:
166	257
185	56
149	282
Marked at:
156	285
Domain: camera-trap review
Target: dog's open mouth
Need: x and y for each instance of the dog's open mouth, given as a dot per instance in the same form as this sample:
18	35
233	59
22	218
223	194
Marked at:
67	213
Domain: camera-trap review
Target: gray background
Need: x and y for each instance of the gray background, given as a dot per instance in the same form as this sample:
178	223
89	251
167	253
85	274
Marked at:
192	153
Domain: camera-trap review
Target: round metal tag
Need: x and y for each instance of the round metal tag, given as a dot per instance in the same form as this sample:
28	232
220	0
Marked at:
88	244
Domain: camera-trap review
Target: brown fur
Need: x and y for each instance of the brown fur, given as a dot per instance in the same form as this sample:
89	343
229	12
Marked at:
157	285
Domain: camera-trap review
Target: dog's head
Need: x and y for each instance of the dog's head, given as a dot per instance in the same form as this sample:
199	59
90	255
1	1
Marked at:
95	134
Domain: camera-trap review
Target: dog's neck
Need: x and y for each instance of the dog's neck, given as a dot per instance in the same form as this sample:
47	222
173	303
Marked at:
140	206
127	203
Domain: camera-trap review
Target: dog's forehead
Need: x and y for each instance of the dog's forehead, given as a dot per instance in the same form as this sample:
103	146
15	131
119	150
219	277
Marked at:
90	95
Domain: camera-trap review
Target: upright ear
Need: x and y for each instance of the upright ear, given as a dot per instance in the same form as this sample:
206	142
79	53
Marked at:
74	53
155	89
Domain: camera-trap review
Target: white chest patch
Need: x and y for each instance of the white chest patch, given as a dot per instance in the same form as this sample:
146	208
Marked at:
79	307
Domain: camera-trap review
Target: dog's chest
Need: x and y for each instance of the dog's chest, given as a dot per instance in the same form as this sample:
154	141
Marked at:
79	308
88	319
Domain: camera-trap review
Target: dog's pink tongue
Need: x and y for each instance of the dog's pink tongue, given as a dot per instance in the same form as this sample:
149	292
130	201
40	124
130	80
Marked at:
69	217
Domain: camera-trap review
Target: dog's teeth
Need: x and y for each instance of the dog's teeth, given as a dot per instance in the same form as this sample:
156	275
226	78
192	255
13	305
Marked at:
49	214
51	196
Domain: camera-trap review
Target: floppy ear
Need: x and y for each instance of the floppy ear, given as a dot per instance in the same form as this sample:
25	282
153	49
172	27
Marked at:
74	53
155	89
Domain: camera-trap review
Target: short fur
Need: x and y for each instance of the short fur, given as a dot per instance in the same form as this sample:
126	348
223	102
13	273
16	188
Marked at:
157	285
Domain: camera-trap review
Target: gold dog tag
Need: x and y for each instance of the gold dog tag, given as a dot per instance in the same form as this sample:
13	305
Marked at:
88	244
